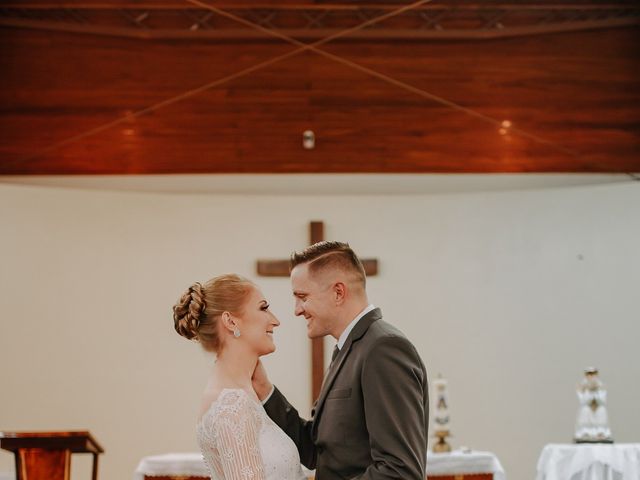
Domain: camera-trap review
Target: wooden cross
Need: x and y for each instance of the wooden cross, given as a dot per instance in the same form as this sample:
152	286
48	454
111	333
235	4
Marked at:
280	268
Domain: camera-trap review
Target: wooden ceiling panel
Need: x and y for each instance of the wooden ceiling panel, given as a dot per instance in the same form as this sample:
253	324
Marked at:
578	91
575	96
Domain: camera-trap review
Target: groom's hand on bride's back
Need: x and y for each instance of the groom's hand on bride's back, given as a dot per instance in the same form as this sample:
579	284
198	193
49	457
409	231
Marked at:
260	382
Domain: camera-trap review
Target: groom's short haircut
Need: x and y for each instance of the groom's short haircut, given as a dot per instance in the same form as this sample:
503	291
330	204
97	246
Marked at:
327	255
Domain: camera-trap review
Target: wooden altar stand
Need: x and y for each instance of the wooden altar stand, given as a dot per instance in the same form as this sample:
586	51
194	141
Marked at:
47	455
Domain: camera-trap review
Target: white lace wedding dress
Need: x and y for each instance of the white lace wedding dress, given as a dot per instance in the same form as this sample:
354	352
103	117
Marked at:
239	441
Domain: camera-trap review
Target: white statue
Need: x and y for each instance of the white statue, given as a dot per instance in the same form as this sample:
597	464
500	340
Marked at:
592	424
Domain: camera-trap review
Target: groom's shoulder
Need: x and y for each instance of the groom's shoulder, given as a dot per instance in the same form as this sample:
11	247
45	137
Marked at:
385	337
381	330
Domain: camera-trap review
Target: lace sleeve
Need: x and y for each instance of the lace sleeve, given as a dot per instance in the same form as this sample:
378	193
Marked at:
236	431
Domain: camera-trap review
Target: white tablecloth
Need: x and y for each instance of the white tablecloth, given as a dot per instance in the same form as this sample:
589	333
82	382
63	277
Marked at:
191	464
176	464
458	462
589	462
170	464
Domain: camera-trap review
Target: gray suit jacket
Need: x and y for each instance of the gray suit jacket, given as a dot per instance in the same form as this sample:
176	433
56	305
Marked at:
370	421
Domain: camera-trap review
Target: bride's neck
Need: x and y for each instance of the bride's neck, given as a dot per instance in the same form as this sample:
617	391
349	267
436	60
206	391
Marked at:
236	366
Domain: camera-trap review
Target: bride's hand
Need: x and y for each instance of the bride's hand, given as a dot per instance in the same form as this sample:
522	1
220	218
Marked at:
260	382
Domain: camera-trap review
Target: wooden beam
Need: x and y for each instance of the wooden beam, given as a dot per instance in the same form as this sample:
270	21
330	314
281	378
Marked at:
273	268
316	234
374	34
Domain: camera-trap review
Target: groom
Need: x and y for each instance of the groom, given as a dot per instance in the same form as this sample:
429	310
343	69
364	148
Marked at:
370	421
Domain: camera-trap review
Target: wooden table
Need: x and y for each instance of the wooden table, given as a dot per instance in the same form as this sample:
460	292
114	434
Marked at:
47	455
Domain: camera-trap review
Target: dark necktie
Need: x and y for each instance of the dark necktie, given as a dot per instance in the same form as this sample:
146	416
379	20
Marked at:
335	353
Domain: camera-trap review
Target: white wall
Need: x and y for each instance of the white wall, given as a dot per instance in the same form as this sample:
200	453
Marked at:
509	295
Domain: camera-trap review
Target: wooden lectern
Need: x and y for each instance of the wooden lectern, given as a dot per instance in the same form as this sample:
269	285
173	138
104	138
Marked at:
47	455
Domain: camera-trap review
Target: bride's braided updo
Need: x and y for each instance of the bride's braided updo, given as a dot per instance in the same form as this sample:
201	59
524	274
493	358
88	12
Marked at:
196	314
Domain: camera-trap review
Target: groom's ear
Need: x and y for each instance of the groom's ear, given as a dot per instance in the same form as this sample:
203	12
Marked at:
339	292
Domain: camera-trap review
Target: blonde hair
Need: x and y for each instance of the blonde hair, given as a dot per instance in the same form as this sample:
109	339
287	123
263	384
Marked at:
196	314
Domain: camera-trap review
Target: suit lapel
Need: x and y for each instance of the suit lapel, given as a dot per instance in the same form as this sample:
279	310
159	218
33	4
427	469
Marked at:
356	334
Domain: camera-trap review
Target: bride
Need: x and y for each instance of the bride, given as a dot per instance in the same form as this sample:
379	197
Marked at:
229	316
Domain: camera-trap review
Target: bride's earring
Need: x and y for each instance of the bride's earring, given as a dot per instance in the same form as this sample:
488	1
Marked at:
236	332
